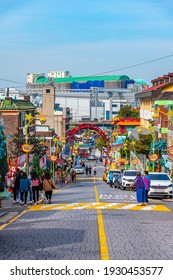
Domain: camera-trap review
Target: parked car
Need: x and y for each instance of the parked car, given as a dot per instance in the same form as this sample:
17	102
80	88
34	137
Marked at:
84	159
160	185
128	178
79	169
115	172
92	157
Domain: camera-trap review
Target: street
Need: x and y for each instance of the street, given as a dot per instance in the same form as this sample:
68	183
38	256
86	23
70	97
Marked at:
88	220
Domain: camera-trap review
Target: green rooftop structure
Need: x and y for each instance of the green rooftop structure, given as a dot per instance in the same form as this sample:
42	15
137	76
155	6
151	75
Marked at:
42	79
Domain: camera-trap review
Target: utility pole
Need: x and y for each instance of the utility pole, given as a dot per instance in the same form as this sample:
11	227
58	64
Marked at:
94	95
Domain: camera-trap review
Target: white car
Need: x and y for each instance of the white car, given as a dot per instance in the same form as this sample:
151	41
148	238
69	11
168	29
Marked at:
128	178
79	169
160	185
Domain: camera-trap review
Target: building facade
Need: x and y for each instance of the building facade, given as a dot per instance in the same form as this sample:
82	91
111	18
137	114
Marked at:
93	97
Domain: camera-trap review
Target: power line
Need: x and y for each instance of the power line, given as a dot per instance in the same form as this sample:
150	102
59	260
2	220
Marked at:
135	65
110	71
12	81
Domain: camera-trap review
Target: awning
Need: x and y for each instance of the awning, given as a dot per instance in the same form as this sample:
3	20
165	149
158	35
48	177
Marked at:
129	123
60	161
117	144
120	163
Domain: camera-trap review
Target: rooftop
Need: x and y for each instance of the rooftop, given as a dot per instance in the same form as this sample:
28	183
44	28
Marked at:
16	104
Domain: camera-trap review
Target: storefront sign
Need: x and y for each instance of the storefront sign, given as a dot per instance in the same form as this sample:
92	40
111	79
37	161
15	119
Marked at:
135	161
153	157
53	158
27	148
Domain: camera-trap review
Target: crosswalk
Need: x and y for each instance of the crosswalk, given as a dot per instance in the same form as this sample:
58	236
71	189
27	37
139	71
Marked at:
99	205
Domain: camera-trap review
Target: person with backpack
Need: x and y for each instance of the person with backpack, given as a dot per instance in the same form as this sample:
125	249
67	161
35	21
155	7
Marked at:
24	187
35	180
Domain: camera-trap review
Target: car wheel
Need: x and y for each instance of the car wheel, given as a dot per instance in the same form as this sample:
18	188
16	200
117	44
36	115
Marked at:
122	188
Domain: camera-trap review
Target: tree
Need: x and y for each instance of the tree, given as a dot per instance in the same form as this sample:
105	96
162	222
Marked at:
3	151
128	112
100	143
36	165
143	144
18	139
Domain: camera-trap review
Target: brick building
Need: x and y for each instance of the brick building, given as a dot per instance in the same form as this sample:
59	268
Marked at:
13	112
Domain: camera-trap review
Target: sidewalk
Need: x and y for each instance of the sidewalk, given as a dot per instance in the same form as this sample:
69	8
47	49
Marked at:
9	210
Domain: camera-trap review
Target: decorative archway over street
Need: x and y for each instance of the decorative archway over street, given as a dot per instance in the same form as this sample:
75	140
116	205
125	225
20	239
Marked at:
74	130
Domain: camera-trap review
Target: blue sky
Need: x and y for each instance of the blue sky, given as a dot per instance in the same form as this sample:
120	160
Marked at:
85	37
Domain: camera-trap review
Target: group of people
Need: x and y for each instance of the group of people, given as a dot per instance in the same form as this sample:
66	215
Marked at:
34	186
89	169
142	185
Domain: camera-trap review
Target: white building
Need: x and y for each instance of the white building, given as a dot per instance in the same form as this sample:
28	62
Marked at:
59	74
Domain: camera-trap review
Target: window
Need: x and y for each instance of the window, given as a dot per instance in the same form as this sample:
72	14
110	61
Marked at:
107	115
22	119
114	105
159	177
47	90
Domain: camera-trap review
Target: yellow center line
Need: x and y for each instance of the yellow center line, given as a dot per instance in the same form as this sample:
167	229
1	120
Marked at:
104	254
13	219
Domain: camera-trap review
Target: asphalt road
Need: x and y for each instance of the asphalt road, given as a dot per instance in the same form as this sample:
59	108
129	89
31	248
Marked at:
88	220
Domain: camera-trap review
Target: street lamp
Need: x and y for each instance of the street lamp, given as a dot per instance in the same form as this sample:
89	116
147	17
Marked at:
133	143
125	150
27	148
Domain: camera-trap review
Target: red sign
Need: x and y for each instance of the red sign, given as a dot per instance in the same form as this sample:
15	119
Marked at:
60	161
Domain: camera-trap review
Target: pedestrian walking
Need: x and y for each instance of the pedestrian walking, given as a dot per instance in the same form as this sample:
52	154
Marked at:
15	184
73	174
48	186
139	184
86	170
24	187
89	170
146	179
35	180
94	170
41	192
110	178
